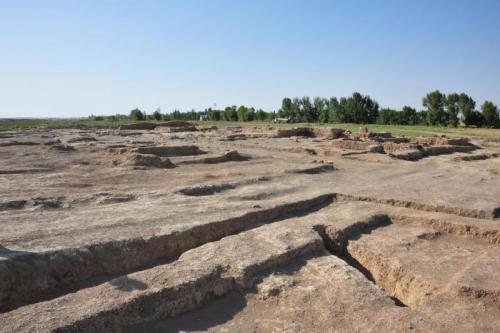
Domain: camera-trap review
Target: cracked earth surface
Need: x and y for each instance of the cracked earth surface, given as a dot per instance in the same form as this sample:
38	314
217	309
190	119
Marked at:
247	229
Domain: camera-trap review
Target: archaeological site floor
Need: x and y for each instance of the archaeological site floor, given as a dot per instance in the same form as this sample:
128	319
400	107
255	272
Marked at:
183	228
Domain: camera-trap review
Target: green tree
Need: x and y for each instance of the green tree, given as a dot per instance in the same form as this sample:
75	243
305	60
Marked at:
409	116
360	109
137	115
307	111
389	117
250	114
422	117
286	108
466	105
295	110
490	114
260	115
452	109
435	102
321	106
230	113
157	114
191	115
214	115
242	111
333	110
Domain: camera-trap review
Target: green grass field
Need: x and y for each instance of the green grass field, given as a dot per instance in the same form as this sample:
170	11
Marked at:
24	124
409	131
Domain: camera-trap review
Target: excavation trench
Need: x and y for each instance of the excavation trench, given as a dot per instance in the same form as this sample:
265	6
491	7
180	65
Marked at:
337	243
381	246
185	297
474	213
207	189
210	189
34	277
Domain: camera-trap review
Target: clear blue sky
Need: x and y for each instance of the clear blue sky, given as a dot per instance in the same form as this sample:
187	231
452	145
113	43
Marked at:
73	58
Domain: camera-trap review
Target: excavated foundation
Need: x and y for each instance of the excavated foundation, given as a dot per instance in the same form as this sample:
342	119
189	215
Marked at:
180	227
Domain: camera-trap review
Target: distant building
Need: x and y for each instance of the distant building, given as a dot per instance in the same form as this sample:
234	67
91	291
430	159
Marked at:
281	120
204	117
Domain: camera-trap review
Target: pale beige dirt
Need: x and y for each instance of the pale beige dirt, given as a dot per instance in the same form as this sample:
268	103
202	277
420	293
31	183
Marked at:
247	230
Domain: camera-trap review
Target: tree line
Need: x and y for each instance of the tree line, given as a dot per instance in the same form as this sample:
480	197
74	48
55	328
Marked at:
439	109
230	113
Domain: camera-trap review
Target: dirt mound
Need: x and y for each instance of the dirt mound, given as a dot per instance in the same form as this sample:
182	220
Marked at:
478	157
81	139
376	148
147	160
170	151
24	170
350	144
414	154
6	204
407	154
176	129
393	146
48	202
138	126
171	126
314	170
299	131
52	142
442	141
111	198
18	143
446	149
234	137
207	128
379	135
175	126
232	156
62	147
329	133
176	123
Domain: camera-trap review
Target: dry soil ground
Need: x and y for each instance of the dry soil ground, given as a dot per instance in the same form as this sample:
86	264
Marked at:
247	230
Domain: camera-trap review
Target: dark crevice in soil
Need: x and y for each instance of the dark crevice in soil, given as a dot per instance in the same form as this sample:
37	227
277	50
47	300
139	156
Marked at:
211	189
366	272
314	170
336	243
206	189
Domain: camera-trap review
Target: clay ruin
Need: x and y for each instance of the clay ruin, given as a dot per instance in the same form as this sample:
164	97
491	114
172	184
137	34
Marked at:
176	227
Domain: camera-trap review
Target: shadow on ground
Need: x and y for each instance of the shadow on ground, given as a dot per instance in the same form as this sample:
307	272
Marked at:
216	312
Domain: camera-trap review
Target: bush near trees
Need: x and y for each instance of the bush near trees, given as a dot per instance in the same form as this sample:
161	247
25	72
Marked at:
439	110
490	114
137	115
157	114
